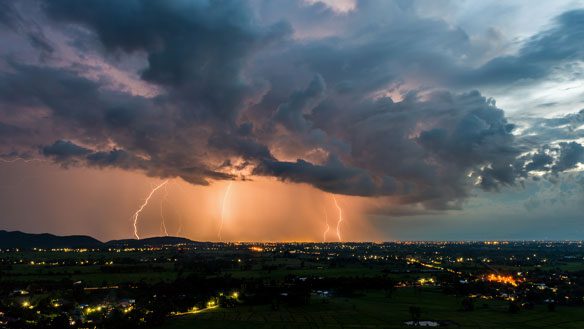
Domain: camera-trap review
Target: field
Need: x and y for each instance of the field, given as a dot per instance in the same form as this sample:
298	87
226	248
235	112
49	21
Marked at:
376	311
89	268
89	274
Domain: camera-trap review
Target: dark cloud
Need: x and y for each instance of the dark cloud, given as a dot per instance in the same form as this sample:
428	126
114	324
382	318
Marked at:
332	177
540	133
558	43
242	146
291	114
12	19
10	131
198	49
63	150
555	158
538	56
113	158
570	154
417	151
67	153
540	161
237	93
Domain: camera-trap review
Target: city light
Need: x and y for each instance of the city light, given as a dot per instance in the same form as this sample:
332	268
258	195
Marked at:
505	279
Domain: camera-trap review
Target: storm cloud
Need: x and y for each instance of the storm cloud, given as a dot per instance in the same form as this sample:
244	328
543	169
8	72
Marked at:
390	106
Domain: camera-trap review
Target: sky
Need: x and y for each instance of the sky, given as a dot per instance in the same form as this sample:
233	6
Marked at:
297	120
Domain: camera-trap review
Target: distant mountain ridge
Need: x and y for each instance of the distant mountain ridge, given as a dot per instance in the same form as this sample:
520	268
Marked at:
21	240
149	242
17	239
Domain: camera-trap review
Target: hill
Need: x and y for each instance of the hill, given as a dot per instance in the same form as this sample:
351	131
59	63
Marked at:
149	242
21	240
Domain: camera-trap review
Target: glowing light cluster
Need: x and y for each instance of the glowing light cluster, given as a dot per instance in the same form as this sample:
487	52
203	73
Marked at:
505	279
426	281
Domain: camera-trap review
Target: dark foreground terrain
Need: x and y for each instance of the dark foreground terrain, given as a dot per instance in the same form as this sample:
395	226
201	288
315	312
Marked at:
169	283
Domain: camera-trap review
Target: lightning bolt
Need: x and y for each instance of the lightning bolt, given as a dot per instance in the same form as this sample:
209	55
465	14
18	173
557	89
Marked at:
12	160
340	218
328	227
25	160
225	197
137	213
162	200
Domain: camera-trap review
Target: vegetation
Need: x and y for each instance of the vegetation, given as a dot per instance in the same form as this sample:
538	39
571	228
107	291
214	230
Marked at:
375	310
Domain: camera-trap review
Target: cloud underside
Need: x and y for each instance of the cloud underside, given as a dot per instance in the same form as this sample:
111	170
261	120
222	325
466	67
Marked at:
237	97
